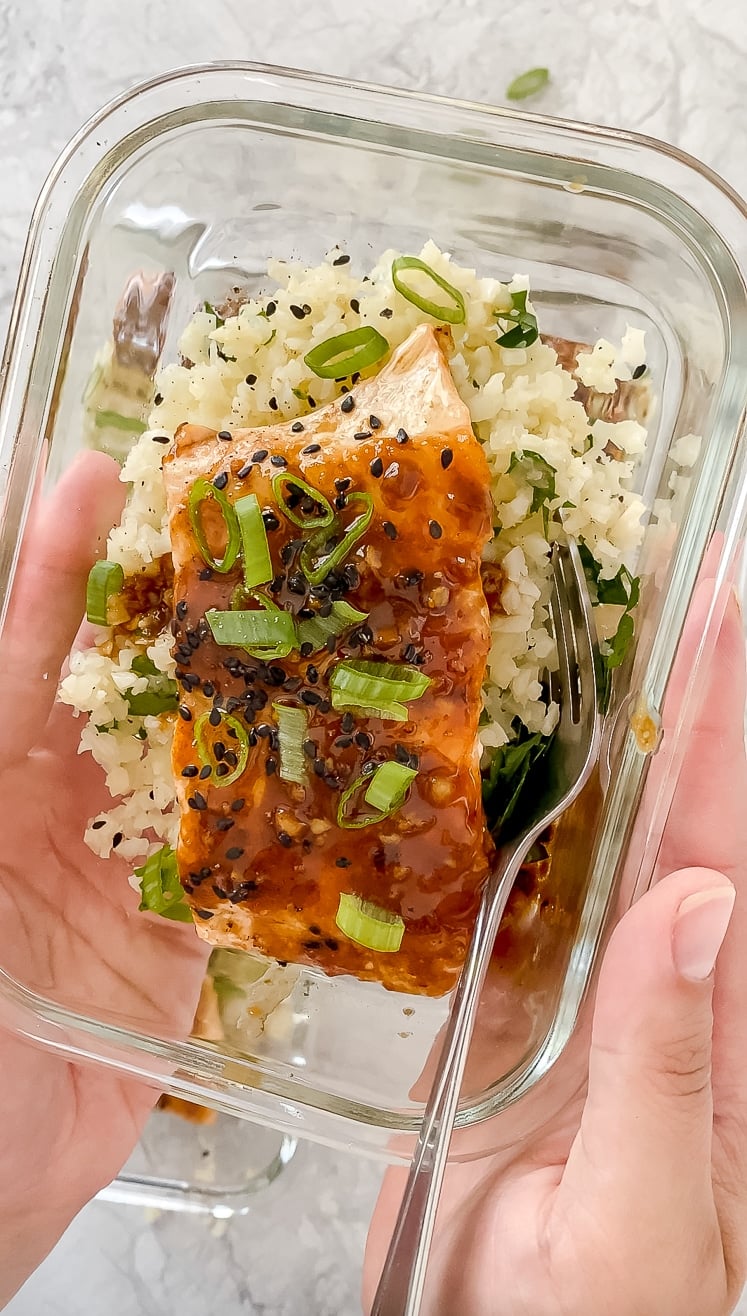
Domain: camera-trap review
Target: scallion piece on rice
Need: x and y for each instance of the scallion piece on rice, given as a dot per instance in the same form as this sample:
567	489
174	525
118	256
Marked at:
527	84
379	688
255	548
369	925
452	314
320	554
239	744
262	633
316	519
161	696
344	354
114	420
203	491
292	726
104	580
160	888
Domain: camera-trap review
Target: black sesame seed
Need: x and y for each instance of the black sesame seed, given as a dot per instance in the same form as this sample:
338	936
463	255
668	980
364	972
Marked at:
277	460
309	749
363	739
374	422
181	609
368	768
343	742
330	644
214	717
312	674
234	852
351	577
413	577
319	767
310	945
206	772
270	520
185	713
237	805
306	308
325	706
387	313
271	308
341	259
208	689
341	502
348	402
161	438
296	427
331	943
311	401
377	467
98	824
342	862
342	484
225	824
310	697
273	404
117	839
226	435
390	529
285	839
206	573
250	379
298	311
639	370
347	723
264	730
402	436
310	449
270	765
306	649
259	455
221	480
205	913
243	471
297	583
362	434
434	530
158	399
205	873
355	304
409	654
197	801
447	457
401	754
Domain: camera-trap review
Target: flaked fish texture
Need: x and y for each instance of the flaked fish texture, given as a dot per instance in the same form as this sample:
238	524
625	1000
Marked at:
263	859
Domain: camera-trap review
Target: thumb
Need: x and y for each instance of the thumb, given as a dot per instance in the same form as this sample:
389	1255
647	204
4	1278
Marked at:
647	1126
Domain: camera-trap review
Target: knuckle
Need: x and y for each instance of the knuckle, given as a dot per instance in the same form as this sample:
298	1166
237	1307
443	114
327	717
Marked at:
683	1067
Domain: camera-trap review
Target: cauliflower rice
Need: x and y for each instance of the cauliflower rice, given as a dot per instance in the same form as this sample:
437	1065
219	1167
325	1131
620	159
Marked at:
520	400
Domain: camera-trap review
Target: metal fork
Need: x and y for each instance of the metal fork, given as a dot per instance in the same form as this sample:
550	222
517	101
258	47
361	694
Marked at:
566	768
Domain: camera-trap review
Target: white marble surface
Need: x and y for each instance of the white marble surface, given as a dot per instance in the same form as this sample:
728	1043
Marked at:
672	68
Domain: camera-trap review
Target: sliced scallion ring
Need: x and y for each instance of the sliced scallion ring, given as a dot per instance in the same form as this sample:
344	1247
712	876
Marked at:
115	420
317	559
453	314
292	726
202	490
380	688
319	521
104	580
369	925
255	548
262	633
343	355
239	744
317	630
388	786
160	889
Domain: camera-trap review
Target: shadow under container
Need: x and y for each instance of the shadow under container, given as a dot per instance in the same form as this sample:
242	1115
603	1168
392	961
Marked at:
207	173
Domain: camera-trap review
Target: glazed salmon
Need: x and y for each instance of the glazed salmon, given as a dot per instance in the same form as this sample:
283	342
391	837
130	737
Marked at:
264	859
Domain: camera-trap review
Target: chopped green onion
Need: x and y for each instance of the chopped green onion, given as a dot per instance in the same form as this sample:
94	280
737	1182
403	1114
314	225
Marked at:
525	330
305	522
540	476
114	420
316	550
368	924
292	725
256	550
201	491
104	579
388	786
262	633
527	84
317	630
242	596
343	355
160	697
453	314
160	888
376	687
240	745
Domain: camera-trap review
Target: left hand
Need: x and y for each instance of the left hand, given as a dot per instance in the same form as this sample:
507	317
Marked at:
69	922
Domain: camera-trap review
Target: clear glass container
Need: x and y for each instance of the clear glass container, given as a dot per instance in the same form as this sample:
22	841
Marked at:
203	175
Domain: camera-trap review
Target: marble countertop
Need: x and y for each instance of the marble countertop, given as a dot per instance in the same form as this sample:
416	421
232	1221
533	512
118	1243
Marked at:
671	68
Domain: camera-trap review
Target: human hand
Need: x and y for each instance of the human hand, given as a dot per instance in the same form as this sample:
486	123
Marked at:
632	1201
69	922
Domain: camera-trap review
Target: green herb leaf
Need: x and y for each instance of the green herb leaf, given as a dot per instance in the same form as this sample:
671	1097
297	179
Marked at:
212	311
616	649
507	775
527	84
525	330
539	474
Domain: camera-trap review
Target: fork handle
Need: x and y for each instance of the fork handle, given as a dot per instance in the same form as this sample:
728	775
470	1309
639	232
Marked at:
400	1288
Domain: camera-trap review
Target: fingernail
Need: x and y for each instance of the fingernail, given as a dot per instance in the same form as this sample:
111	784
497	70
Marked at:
699	931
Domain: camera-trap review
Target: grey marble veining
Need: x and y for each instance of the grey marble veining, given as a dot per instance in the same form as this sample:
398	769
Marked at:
672	68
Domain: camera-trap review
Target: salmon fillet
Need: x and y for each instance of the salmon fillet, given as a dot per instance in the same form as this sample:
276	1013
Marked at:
264	860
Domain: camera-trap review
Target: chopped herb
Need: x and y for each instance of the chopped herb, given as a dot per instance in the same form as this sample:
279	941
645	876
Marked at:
528	84
524	329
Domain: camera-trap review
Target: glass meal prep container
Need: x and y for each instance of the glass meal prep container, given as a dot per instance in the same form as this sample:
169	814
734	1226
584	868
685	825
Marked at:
197	179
